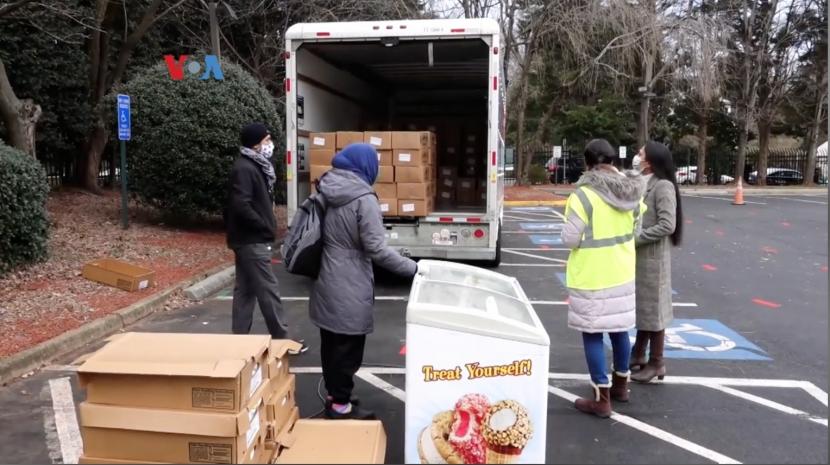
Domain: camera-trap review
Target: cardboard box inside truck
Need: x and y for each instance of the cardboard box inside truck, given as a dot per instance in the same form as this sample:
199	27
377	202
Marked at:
213	372
386	174
378	140
386	191
388	207
422	174
414	207
321	157
345	441
411	157
385	158
412	140
323	140
316	171
345	138
117	273
415	191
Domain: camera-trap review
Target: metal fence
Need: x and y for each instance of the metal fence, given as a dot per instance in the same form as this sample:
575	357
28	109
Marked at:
544	168
60	171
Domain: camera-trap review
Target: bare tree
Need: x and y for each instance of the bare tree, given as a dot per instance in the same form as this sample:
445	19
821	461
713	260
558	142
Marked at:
103	75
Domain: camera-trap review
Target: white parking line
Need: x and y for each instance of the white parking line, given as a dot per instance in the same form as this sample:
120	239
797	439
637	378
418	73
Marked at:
721	198
523	254
66	422
534	264
537	249
658	433
382	385
767	403
795	200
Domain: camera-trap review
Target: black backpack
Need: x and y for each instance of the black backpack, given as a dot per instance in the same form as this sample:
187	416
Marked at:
302	250
303	246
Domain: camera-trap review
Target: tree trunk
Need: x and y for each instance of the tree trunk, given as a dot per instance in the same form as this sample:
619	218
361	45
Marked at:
19	116
523	158
764	126
701	153
642	121
815	130
97	144
743	135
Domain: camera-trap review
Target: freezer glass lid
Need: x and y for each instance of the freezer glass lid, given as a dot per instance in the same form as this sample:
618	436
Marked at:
468	277
474	298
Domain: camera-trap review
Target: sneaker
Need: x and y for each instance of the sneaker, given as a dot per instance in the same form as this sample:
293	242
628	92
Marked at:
303	348
356	413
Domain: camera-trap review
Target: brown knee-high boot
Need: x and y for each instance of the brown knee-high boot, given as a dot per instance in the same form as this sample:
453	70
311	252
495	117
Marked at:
655	366
638	351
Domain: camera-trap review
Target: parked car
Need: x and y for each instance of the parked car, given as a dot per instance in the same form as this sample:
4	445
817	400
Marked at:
688	175
557	172
778	177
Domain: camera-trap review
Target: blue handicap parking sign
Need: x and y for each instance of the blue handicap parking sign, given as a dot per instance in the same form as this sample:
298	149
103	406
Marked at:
541	226
706	340
124	123
548	239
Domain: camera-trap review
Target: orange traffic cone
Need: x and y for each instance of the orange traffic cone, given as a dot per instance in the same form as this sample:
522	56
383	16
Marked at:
739	193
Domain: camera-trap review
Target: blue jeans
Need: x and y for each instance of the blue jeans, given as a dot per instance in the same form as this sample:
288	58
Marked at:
595	354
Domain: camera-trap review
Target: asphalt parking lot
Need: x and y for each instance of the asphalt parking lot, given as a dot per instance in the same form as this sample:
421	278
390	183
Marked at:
747	354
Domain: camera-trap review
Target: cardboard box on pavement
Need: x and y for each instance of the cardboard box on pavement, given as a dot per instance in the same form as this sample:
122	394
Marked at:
216	372
278	359
174	436
280	402
120	274
345	441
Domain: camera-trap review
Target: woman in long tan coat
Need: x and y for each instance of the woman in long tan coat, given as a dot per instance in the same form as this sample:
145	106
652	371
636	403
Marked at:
662	228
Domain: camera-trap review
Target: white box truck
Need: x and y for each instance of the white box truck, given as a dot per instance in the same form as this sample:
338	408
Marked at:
400	76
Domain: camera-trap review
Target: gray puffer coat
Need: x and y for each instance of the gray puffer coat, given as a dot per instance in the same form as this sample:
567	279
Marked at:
343	296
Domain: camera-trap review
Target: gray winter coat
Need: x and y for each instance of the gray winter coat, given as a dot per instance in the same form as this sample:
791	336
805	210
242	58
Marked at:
610	309
654	302
343	296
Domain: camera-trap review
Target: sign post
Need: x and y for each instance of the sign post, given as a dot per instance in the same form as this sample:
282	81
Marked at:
124	133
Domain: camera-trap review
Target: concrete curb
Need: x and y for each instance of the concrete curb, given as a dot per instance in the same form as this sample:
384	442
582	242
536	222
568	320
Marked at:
35	357
534	203
211	284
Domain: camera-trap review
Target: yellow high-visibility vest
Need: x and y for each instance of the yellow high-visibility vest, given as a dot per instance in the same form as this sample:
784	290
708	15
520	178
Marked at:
606	256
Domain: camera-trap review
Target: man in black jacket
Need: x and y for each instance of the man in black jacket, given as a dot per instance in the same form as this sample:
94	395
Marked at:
251	230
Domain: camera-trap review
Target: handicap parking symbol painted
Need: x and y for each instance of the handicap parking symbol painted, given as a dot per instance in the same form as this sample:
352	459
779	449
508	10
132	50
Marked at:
541	226
551	239
706	340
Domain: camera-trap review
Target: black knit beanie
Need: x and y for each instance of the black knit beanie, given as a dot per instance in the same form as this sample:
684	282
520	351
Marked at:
252	134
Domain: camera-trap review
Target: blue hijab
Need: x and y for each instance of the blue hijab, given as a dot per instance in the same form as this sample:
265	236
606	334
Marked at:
361	159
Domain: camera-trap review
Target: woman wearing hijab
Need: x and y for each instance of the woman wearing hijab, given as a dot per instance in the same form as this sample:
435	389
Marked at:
343	296
662	228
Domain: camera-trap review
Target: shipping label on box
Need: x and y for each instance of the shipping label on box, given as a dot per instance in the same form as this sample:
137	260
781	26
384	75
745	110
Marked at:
388	207
413	174
494	391
386	174
385	158
410	157
386	191
414	191
414	207
323	140
378	140
321	157
345	138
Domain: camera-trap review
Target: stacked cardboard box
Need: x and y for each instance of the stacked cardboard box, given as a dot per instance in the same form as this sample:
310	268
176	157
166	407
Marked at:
204	398
414	157
177	398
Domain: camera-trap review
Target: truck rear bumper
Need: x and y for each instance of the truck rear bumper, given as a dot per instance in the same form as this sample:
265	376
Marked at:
448	252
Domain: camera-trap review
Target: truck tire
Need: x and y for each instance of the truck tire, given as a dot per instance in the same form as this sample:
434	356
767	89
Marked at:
495	262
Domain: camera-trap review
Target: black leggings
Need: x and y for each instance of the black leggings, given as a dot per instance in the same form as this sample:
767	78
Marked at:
341	356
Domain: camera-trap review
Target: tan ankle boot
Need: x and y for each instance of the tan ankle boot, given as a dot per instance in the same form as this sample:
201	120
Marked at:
600	405
655	367
619	386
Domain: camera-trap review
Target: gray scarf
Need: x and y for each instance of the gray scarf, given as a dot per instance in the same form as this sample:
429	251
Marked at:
264	164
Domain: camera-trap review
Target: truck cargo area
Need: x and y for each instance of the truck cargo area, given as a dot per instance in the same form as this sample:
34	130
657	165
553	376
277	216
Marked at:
400	85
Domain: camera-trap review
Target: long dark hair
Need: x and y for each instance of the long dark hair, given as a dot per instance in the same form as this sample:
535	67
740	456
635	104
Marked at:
662	166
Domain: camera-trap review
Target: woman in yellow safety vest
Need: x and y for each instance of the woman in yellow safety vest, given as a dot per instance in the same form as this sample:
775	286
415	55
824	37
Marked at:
602	216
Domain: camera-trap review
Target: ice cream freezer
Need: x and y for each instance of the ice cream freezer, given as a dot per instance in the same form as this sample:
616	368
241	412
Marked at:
476	369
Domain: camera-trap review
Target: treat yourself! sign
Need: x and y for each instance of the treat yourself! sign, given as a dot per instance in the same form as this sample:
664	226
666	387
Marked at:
474	399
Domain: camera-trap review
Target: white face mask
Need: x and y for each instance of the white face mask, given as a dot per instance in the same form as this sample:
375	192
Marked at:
635	163
267	149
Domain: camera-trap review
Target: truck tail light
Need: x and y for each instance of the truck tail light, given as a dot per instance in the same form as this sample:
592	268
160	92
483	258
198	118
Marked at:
495	82
495	50
287	157
493	158
323	34
287	85
457	31
478	233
